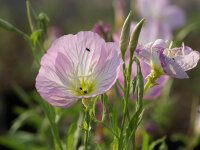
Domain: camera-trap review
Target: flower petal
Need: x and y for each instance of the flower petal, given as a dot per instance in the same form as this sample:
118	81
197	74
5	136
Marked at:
144	52
156	49
189	61
109	73
171	68
83	49
53	82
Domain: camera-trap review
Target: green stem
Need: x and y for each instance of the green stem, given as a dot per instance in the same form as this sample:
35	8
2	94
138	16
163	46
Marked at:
87	119
109	129
127	80
146	86
124	111
29	16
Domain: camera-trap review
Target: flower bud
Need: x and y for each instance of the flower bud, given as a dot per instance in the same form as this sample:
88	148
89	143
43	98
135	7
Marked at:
124	38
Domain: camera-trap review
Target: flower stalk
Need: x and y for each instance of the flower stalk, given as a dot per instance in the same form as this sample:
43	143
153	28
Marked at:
86	124
127	77
151	79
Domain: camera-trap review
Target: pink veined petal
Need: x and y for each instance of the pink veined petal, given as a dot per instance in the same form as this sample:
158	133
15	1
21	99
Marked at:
159	43
63	104
189	61
157	46
144	52
179	51
171	68
83	49
173	16
109	73
52	81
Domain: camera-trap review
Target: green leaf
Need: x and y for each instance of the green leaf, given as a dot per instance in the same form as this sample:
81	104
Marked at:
71	136
137	117
35	36
112	113
134	82
7	26
22	141
134	37
115	143
22	94
163	146
145	139
155	143
132	126
21	119
92	111
51	115
124	38
140	86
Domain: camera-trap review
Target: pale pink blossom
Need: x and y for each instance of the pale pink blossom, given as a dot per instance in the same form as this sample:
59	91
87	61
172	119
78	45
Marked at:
77	66
173	62
153	33
162	12
151	93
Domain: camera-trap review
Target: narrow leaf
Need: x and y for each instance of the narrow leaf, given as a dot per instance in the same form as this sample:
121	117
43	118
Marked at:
7	26
155	143
71	136
51	115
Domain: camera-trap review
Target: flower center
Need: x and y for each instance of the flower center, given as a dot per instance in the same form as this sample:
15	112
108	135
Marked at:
84	85
173	52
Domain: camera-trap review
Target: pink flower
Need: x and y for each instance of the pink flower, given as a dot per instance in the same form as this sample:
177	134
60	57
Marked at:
77	66
120	11
162	12
173	62
153	33
151	93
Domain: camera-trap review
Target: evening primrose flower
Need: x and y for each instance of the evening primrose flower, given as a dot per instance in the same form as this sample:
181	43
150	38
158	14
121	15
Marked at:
151	93
153	33
77	66
162	12
173	62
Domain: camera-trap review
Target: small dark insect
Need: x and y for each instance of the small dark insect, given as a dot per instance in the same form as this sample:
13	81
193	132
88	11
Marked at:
87	49
85	91
173	58
80	88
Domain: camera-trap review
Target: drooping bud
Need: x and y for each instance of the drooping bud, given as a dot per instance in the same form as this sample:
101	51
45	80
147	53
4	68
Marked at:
124	37
102	29
43	20
8	26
